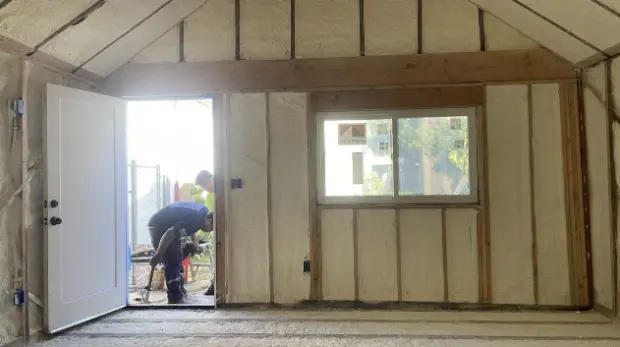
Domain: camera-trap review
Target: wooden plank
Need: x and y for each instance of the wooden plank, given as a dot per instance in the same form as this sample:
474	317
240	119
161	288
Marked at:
268	173
548	197
356	269
462	255
220	142
376	256
421	255
509	200
172	79
290	217
399	252
397	98
530	134
597	134
315	256
337	246
484	238
577	201
444	255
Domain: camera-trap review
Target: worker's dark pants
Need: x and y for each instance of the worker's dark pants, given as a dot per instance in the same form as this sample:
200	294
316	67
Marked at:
172	267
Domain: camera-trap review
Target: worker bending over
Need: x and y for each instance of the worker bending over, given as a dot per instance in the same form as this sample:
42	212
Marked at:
167	227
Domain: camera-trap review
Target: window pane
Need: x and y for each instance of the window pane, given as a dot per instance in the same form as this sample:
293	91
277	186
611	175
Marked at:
433	153
358	157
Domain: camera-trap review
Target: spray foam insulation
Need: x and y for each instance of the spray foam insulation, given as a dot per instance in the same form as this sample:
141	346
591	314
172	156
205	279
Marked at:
289	220
265	29
421	252
327	28
390	27
500	36
131	44
584	18
597	133
10	180
549	196
248	219
210	32
337	255
376	255
533	26
462	33
462	255
510	212
78	43
31	21
165	49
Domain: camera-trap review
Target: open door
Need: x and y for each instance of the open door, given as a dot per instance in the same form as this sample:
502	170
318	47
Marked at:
86	209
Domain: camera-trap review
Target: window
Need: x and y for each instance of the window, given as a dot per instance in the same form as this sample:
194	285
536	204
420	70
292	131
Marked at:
415	156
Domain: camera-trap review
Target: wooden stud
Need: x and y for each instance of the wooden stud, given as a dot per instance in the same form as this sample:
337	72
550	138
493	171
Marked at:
532	194
480	217
269	215
315	257
237	30
420	21
182	41
220	144
355	255
292	52
444	251
486	218
399	267
613	185
481	32
362	29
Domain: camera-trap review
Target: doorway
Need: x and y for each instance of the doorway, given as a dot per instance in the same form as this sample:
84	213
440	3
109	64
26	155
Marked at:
168	143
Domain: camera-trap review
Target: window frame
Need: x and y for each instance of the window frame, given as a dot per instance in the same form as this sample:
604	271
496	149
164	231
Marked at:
394	116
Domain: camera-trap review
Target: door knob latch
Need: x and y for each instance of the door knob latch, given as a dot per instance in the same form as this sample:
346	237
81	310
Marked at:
55	220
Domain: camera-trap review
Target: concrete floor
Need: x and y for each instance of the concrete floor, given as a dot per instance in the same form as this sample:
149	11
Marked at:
156	328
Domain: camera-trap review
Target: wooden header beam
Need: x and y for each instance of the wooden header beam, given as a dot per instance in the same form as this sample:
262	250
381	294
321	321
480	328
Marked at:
193	79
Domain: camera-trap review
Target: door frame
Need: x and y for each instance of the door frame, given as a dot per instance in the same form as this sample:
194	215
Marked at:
221	173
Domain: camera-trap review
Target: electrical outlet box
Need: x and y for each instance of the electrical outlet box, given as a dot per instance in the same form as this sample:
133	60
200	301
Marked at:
306	265
236	183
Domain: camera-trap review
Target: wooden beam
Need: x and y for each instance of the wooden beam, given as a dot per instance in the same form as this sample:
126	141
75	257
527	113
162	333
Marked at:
220	143
18	49
189	79
397	98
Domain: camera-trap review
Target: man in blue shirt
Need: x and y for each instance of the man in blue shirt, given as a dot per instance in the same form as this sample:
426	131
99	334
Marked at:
167	227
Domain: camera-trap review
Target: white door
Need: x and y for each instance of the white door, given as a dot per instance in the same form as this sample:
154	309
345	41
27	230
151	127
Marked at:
86	207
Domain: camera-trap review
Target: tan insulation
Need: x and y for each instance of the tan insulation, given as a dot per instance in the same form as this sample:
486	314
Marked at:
462	254
533	26
549	197
265	29
596	124
376	255
500	36
450	26
327	28
10	181
290	218
131	44
31	21
337	255
78	43
510	212
391	27
167	49
421	252
247	218
600	29
210	32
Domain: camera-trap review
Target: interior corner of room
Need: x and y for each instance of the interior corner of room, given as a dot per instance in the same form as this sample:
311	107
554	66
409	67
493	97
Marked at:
384	155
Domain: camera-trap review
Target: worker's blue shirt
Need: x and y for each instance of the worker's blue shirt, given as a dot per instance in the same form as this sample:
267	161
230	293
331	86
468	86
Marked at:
185	217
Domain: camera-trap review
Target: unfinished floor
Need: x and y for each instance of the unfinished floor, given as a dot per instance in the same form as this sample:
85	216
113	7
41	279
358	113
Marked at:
343	328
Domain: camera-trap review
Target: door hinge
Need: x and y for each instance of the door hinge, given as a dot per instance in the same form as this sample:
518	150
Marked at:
44	203
44	220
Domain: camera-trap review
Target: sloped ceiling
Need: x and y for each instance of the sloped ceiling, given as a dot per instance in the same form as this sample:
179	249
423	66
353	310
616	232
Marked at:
95	37
583	32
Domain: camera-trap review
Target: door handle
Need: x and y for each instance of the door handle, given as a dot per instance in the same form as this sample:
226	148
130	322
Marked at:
55	221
